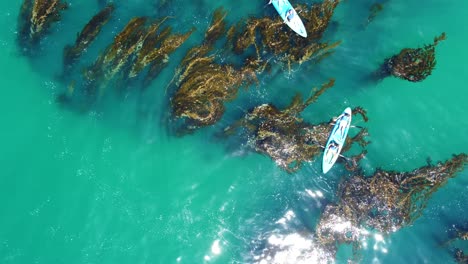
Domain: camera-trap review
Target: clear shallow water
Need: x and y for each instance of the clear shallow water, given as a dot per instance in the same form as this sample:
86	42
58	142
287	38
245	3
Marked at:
113	187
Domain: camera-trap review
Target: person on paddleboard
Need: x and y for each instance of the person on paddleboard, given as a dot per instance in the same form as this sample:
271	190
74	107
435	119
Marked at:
289	14
343	119
332	149
344	123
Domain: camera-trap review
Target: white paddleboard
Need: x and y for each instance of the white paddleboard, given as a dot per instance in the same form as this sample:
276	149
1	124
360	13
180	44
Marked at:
336	140
290	16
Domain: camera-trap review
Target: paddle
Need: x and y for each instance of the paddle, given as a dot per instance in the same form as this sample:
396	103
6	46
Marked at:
346	158
339	155
360	127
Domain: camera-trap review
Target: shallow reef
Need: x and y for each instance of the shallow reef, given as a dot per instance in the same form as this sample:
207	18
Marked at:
34	22
410	64
284	136
383	202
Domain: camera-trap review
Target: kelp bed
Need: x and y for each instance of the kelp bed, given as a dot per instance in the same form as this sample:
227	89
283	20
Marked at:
285	137
365	207
383	202
459	234
272	37
203	83
411	64
35	19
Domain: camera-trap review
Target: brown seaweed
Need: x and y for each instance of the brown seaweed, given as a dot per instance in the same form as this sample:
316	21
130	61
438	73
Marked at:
460	256
284	136
203	85
115	56
87	35
271	36
384	202
133	49
413	65
149	48
35	20
204	88
374	10
460	234
156	50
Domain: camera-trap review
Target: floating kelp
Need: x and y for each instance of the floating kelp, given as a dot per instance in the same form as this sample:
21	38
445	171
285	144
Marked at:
374	10
87	35
203	85
116	55
204	88
411	64
272	37
460	256
460	234
134	48
384	202
155	52
35	19
284	136
216	29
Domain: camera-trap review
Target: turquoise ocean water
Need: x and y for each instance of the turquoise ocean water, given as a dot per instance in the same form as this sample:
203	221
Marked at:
113	186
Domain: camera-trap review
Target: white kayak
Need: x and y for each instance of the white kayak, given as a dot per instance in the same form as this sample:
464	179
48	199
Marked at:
290	16
336	140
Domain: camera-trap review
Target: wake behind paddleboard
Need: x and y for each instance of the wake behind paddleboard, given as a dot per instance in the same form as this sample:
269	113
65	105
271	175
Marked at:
336	140
290	16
